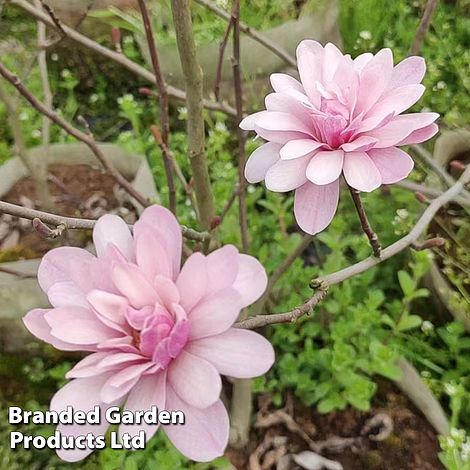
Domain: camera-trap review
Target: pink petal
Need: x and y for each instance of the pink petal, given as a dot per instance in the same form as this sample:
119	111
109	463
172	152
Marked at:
282	82
286	175
401	127
374	79
166	290
248	123
132	284
237	353
166	228
260	161
81	394
222	268
195	380
251	281
309	62
111	229
408	72
299	148
361	60
66	294
363	143
215	314
192	281
420	135
397	100
393	164
110	306
276	121
117	359
77	325
66	264
315	206
204	435
360	172
152	256
331	61
325	167
38	326
149	391
287	104
120	383
87	367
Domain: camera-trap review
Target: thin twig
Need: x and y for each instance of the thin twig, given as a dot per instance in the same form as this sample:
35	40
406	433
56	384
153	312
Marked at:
237	81
74	223
164	112
194	90
324	282
431	192
365	224
423	27
256	35
229	203
74	132
53	17
220	62
116	57
292	316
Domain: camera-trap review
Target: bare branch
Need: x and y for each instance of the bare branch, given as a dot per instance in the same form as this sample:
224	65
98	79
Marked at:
237	82
259	321
220	62
324	282
164	112
74	132
256	35
116	57
365	224
196	135
423	27
74	223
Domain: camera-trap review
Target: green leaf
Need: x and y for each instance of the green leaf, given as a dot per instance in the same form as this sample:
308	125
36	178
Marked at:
409	322
333	402
407	284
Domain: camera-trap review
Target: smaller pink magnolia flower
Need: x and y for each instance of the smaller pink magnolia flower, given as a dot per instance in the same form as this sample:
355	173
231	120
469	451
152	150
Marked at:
158	334
342	118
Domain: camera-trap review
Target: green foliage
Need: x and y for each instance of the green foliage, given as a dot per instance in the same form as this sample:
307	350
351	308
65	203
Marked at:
455	453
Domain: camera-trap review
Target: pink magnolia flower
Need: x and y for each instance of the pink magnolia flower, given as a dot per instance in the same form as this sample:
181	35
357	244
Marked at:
343	117
158	334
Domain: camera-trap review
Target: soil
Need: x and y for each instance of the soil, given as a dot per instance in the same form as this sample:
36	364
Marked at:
76	190
410	445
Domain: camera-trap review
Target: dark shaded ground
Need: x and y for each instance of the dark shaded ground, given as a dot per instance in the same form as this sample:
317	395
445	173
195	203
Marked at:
411	445
77	191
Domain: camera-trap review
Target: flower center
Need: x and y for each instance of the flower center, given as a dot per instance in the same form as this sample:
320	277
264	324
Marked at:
158	333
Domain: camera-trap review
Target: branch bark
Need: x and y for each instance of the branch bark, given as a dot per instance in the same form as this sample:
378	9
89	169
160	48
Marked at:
365	224
196	132
423	27
238	87
74	223
164	111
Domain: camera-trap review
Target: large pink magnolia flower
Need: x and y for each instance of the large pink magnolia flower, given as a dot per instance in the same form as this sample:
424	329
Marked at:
158	334
343	117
